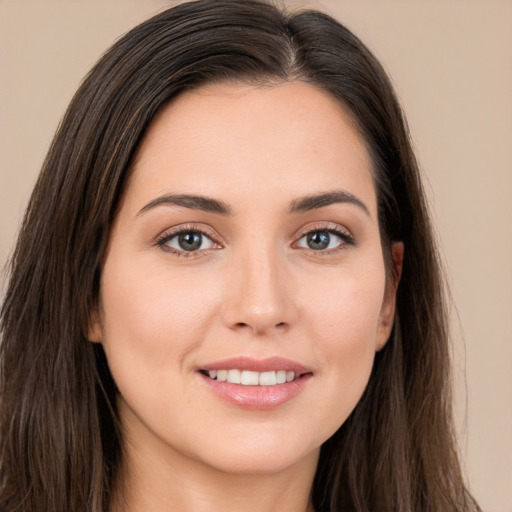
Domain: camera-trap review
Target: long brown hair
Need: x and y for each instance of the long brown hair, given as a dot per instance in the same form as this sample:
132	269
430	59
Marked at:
59	438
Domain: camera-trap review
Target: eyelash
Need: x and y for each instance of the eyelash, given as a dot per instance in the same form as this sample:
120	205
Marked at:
346	239
166	237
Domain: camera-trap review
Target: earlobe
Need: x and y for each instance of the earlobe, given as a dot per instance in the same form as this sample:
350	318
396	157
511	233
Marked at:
387	314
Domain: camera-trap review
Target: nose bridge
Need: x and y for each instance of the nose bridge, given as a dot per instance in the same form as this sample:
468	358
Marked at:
260	298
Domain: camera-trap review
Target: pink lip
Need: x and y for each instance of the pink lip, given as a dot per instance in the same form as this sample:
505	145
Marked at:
257	397
258	365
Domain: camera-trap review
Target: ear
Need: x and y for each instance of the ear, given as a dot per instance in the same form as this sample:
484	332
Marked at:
387	313
94	332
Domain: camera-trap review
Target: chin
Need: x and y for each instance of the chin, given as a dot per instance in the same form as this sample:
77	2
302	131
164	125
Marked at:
253	454
262	462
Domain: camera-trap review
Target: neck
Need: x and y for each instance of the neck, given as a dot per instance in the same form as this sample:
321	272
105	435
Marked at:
151	483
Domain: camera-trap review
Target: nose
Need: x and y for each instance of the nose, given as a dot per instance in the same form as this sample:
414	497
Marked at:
260	294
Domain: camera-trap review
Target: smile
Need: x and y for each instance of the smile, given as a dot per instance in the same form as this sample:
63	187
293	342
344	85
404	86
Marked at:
252	378
254	383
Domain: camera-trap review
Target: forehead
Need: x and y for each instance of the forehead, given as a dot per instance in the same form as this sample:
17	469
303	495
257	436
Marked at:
247	142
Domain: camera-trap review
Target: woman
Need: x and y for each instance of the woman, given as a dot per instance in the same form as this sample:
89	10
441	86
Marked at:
225	293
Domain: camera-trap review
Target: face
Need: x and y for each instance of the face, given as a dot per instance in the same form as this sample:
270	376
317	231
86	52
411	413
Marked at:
243	293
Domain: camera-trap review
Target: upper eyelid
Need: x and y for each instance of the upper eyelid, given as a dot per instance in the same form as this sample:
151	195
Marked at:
323	226
185	228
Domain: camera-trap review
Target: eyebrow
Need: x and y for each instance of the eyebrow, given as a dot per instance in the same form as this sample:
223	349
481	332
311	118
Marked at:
191	201
300	205
315	201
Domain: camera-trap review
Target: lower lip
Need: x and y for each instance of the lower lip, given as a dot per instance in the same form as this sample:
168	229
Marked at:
257	397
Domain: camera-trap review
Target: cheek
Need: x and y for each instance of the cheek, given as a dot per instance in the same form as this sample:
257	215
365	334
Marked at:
346	309
150	319
344	321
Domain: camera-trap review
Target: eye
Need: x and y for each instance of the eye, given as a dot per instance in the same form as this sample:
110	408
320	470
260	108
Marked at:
324	240
187	241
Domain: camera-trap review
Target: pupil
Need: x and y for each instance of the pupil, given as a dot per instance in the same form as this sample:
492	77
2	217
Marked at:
319	240
190	241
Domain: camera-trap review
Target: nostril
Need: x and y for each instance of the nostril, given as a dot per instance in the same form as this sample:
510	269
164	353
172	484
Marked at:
244	325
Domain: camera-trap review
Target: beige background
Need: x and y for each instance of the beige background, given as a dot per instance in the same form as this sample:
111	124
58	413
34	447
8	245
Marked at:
452	65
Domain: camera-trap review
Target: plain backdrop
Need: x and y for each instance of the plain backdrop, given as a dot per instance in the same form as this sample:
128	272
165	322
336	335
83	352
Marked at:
451	62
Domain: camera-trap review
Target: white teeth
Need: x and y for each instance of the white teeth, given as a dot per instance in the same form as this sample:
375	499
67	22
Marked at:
281	376
234	376
250	378
268	379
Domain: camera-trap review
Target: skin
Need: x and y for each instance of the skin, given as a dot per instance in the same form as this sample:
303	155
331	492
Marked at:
254	288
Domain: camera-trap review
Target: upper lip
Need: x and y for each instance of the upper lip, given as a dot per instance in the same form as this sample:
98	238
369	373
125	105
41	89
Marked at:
257	365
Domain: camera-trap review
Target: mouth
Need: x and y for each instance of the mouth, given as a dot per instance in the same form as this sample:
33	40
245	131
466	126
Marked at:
256	384
252	378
